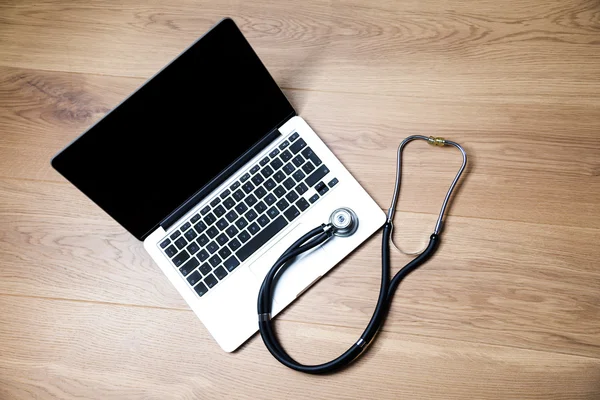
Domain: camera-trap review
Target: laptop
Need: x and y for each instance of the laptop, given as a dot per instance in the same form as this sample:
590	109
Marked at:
209	165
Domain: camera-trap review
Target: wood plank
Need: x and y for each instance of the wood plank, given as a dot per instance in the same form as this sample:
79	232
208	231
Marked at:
523	163
498	282
66	350
448	49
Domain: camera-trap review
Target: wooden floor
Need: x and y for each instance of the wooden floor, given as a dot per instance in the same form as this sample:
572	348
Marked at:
509	308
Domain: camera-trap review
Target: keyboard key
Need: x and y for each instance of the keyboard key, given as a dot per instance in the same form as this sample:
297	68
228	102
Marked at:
205	269
267	171
289	183
279	191
215	201
212	247
180	258
248	187
175	235
201	289
270	199
314	198
333	182
209	219
231	263
202	240
263	220
229	203
238	194
308	153
231	231
288	168
215	260
200	227
225	193
245	177
284	144
241	208
291	213
250	216
286	156
299	175
191	234
273	212
224	252
322	188
276	164
189	267
202	256
259	240
222	224
210	281
297	146
260	192
185	226
298	160
219	211
301	188
254	169
302	204
279	176
253	228
193	248
257	179
317	175
181	243
231	216
234	244
241	223
212	232
274	153
269	184
282	205
220	273
244	236
165	243
260	207
194	278
195	218
264	161
291	196
222	239
235	185
294	136
205	210
308	167
250	200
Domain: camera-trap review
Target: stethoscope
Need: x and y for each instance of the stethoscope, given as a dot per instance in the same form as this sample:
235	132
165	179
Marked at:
343	222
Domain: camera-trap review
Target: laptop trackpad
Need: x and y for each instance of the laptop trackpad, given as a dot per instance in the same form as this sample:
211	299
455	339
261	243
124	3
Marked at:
305	270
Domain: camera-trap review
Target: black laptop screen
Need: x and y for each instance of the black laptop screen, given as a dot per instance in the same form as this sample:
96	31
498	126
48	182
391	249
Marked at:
177	132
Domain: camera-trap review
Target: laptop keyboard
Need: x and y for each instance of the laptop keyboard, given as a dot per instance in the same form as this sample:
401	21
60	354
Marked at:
241	219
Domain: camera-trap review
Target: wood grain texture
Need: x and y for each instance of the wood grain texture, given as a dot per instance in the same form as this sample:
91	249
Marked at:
91	353
508	308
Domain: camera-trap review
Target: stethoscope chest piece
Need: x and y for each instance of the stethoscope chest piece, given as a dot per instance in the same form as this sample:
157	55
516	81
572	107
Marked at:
344	222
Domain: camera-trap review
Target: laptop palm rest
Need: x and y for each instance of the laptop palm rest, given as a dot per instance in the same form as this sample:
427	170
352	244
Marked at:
296	279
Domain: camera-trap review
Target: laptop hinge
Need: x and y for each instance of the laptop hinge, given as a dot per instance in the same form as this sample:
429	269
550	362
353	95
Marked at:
223	176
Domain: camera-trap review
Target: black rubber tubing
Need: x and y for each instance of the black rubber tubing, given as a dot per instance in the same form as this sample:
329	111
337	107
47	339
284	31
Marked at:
387	290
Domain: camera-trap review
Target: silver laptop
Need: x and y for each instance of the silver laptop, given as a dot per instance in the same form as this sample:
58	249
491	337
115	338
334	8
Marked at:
210	166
